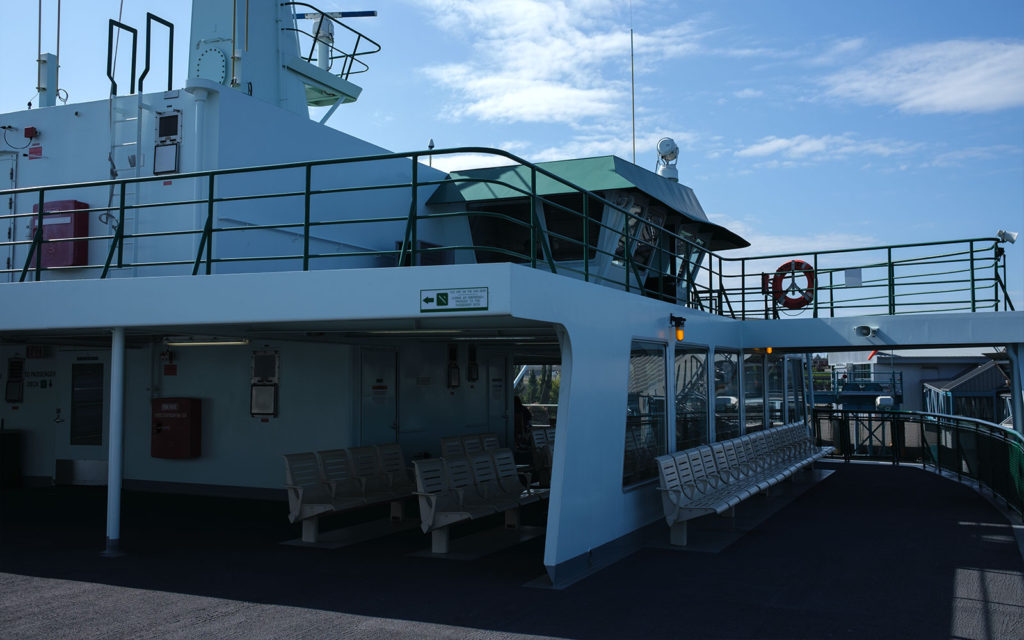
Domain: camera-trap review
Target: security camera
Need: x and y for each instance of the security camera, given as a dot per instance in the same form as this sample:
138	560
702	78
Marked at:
1007	236
865	331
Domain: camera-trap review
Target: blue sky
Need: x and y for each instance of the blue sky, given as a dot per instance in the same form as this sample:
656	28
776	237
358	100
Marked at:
802	124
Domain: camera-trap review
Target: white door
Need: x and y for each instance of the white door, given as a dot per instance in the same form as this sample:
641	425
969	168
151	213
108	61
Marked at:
7	228
379	397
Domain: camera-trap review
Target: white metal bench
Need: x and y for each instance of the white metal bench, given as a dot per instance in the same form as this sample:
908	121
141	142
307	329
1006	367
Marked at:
460	488
453	446
339	479
542	440
715	478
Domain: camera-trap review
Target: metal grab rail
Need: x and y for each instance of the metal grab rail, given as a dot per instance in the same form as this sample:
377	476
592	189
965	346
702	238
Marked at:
348	59
645	257
967	448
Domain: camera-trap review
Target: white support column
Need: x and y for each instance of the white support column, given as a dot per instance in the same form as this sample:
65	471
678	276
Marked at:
741	366
712	401
115	451
809	390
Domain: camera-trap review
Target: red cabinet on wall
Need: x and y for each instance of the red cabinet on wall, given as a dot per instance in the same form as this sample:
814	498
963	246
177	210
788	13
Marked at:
177	428
71	222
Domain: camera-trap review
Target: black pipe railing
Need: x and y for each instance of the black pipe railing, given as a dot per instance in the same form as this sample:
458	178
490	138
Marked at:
965	448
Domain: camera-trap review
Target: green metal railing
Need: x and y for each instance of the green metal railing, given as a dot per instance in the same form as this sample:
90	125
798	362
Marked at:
964	448
321	206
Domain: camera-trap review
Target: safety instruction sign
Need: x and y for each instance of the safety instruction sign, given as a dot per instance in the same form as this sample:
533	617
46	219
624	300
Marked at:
442	300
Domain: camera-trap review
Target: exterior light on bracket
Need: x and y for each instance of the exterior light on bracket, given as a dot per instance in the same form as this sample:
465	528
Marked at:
677	322
768	350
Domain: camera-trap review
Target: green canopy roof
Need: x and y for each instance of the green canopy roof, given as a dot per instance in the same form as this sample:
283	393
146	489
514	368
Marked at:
604	173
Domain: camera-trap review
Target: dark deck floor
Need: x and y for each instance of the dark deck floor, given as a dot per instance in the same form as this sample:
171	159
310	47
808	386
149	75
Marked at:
871	552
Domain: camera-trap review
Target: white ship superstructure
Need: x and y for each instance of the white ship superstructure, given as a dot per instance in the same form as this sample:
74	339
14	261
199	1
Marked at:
312	291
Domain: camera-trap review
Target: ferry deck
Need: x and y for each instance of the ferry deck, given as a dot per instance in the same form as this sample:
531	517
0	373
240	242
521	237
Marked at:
308	292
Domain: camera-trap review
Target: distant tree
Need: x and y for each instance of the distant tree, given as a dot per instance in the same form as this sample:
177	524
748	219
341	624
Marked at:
544	392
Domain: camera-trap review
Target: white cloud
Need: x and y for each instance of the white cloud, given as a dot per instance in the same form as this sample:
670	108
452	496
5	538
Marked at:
464	161
748	93
839	49
559	61
954	76
762	244
961	157
828	147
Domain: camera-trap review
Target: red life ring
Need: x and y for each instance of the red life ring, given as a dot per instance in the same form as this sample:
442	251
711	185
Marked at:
803	295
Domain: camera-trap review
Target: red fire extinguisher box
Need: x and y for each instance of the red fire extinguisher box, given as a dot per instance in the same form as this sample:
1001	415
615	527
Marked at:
68	222
177	428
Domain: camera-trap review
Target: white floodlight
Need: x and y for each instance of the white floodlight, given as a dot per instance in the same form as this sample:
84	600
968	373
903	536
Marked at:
668	151
1007	236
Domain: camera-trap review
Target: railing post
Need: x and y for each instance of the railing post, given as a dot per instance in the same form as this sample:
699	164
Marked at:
627	250
831	296
898	431
586	238
956	452
711	280
892	283
305	220
414	209
120	228
844	436
924	443
208	231
743	288
995	278
533	218
973	296
815	260
39	239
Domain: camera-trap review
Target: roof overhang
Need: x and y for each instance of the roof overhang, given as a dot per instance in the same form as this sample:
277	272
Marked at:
601	174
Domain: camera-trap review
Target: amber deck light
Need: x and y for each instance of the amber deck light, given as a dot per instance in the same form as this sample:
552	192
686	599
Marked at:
769	350
677	322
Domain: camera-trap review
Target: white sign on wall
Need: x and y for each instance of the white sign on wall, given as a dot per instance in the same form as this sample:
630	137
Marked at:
445	300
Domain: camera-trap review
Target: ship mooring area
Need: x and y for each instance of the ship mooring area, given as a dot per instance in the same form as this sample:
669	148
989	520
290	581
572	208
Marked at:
872	551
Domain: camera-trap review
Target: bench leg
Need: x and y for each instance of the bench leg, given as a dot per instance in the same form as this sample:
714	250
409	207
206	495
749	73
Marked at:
512	518
310	529
439	540
397	510
677	534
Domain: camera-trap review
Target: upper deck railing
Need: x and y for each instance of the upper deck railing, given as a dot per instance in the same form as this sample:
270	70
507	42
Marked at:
306	203
349	60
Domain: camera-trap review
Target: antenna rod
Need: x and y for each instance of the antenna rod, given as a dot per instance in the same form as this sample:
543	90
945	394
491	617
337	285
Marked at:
632	90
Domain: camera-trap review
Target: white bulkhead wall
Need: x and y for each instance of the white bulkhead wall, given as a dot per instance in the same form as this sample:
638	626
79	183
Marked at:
318	400
251	40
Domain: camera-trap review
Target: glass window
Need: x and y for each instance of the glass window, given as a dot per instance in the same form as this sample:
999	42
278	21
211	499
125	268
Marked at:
691	367
776	369
87	404
795	390
753	391
645	412
727	395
